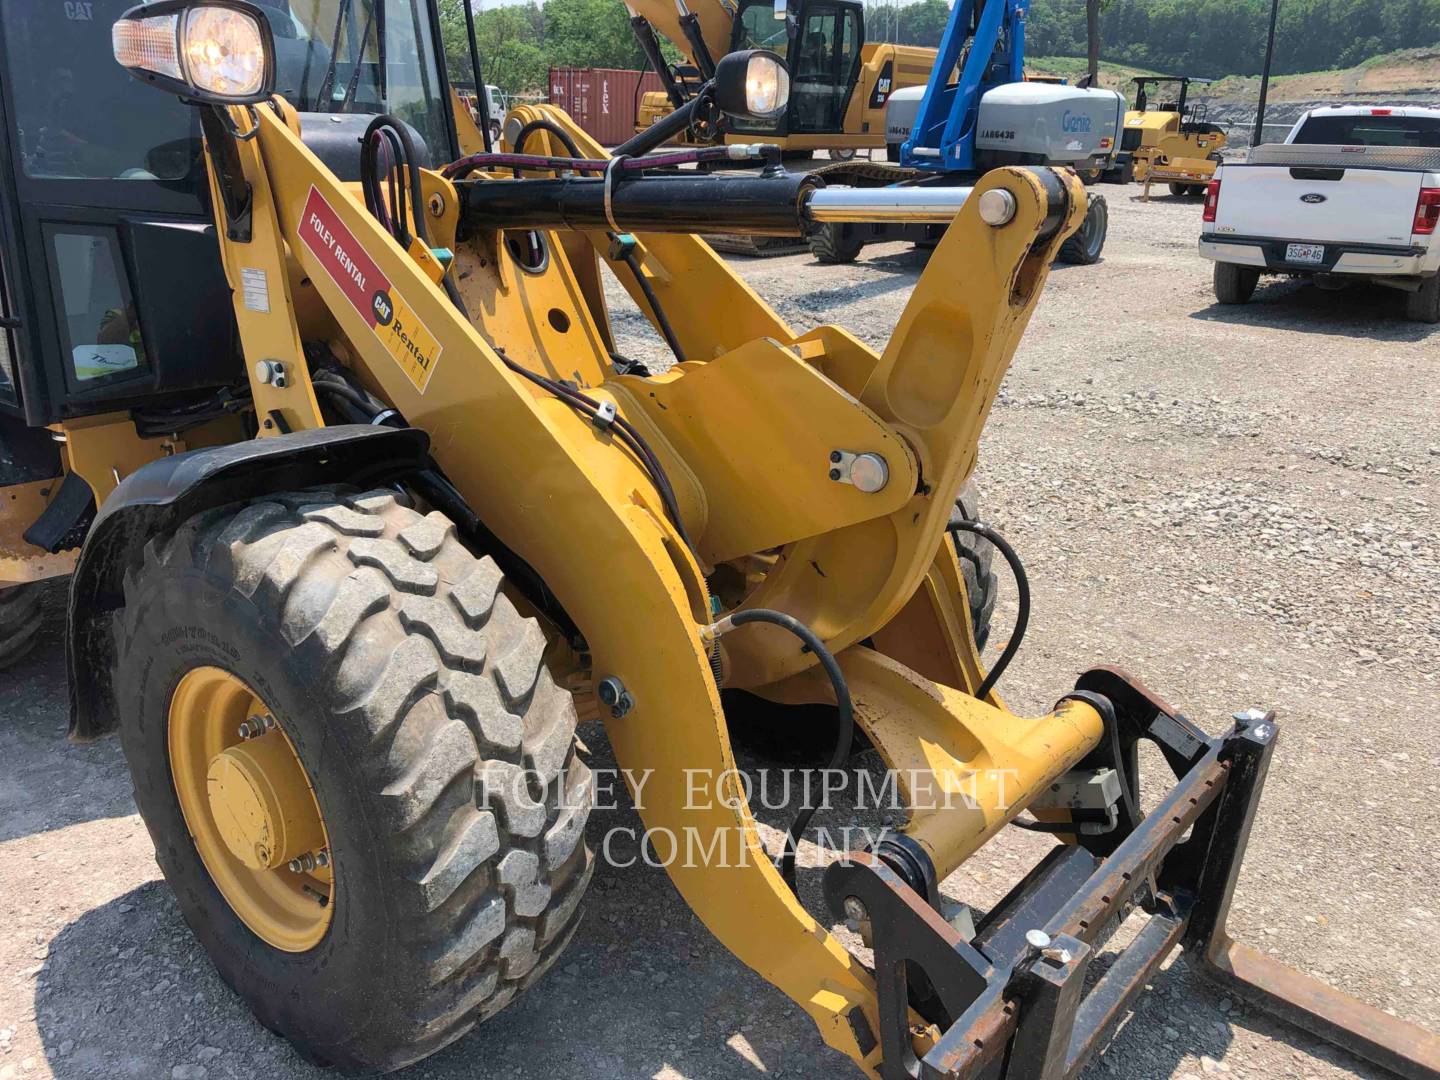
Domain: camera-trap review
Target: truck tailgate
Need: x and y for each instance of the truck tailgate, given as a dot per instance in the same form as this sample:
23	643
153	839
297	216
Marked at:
1330	198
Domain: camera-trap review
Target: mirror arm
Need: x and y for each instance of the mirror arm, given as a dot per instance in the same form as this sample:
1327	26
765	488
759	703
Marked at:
667	127
235	191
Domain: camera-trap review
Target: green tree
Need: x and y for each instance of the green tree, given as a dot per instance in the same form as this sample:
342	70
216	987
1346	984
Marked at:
509	40
590	33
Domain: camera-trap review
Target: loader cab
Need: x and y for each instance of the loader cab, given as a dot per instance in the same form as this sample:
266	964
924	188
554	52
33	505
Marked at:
821	42
112	295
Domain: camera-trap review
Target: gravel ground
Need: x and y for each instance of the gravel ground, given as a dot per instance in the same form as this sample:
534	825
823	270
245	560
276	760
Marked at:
1236	504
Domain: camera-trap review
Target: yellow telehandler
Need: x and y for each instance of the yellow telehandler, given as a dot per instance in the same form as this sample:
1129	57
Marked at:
366	499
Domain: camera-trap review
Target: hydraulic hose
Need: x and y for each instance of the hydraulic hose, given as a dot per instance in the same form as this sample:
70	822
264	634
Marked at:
844	738
1022	586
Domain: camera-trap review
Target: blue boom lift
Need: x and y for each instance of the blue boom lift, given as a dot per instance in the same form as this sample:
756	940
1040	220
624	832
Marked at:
978	112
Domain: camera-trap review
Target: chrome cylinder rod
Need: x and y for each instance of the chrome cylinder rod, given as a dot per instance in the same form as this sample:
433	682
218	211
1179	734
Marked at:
880	205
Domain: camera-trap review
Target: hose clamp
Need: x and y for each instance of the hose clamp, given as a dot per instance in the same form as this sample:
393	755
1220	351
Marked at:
610	167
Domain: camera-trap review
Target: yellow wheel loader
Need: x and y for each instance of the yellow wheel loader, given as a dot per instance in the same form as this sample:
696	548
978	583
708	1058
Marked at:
367	500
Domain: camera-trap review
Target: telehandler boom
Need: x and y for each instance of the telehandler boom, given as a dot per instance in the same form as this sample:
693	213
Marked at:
343	634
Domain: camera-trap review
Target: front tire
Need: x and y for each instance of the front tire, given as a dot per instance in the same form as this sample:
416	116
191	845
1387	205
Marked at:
21	616
1084	246
1235	284
835	244
439	751
1423	305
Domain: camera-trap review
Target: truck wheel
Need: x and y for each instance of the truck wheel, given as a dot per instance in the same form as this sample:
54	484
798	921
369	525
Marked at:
1084	246
1423	305
1235	284
835	243
494	134
359	777
21	616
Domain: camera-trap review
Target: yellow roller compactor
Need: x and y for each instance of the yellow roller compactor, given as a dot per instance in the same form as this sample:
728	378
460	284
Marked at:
360	499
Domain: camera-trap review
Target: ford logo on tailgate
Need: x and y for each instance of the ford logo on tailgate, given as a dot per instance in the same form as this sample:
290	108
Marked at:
1313	197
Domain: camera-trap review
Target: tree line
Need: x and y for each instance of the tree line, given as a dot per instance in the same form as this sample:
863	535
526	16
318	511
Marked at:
518	43
1227	37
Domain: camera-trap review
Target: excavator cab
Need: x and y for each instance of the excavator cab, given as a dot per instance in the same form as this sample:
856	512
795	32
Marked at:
821	43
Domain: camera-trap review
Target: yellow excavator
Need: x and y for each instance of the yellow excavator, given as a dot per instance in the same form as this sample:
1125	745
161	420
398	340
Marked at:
364	505
840	82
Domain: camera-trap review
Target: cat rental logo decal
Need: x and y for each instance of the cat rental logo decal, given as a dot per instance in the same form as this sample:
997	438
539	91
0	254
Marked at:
402	333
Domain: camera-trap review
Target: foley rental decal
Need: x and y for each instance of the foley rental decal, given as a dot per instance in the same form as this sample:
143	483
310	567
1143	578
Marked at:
402	333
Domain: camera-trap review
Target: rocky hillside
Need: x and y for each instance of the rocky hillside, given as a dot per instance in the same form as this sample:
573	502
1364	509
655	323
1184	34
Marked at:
1411	76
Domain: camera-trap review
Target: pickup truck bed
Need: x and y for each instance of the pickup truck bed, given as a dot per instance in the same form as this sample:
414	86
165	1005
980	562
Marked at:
1328	211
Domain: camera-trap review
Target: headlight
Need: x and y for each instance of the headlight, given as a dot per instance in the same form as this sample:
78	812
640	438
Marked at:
752	84
220	52
767	86
224	51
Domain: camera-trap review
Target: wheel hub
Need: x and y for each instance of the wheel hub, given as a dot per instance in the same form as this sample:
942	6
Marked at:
250	809
262	804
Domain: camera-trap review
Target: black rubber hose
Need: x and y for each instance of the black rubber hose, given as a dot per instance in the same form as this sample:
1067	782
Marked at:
1022	586
554	129
663	322
843	738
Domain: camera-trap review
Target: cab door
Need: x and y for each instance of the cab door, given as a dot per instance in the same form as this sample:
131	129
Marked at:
824	64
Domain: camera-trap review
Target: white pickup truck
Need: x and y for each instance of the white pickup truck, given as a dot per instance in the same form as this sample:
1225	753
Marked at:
1352	192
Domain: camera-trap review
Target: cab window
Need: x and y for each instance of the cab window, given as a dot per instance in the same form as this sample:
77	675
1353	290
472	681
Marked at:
79	115
758	28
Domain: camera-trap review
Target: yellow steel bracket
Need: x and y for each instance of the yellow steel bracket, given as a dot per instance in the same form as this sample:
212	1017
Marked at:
934	385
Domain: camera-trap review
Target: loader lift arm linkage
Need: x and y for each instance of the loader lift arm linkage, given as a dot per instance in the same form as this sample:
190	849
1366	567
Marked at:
466	332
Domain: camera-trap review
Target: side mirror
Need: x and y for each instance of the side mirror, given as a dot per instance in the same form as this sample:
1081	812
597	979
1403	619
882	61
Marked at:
752	84
782	9
219	52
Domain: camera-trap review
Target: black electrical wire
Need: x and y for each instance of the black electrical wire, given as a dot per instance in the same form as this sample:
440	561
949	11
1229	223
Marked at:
624	431
843	738
1022	586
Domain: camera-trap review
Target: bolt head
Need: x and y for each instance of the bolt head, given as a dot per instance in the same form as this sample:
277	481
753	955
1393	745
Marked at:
296	866
870	473
997	207
1038	938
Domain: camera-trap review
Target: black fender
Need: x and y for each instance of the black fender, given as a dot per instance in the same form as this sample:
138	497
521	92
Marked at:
159	496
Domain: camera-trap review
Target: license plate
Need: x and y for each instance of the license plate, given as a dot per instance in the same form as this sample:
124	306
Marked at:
1305	253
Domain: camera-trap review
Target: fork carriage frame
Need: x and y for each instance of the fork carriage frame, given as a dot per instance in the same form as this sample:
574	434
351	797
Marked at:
1009	1008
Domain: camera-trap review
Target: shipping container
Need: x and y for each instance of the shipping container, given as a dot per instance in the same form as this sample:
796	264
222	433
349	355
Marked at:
603	101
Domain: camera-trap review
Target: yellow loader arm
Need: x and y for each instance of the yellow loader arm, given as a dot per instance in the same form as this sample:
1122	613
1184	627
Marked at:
751	480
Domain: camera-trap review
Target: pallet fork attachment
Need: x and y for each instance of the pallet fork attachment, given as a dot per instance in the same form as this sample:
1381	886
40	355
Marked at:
1013	1005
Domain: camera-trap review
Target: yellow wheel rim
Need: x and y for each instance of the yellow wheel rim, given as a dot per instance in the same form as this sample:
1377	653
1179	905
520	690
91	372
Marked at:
250	809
